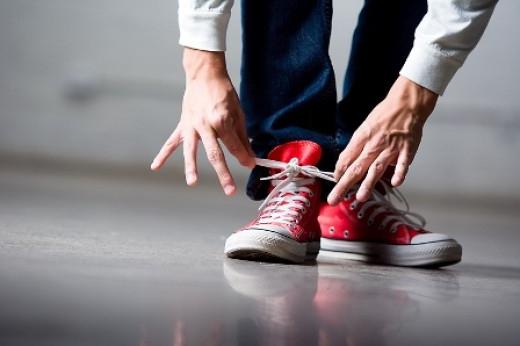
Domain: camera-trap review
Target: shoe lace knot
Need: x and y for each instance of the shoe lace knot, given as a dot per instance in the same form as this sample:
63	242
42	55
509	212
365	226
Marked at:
288	198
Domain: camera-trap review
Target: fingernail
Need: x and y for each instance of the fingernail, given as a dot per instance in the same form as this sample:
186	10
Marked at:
362	195
153	165
395	181
331	199
229	189
190	179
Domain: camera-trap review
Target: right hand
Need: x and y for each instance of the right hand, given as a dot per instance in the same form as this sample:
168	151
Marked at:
210	111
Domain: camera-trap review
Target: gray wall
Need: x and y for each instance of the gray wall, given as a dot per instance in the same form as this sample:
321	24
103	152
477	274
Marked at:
100	81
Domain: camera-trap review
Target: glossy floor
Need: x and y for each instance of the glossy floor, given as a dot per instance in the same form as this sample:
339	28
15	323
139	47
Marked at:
121	261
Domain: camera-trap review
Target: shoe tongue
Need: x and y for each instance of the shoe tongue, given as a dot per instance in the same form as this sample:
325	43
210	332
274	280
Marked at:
308	153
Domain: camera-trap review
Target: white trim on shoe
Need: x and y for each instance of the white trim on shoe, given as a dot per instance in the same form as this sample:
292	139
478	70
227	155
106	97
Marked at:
435	254
268	245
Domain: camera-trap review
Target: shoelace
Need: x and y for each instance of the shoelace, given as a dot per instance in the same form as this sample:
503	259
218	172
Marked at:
285	203
383	203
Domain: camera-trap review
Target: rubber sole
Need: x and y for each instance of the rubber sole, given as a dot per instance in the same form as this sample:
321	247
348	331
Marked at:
267	246
434	254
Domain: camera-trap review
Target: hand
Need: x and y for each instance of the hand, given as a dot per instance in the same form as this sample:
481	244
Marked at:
210	111
390	135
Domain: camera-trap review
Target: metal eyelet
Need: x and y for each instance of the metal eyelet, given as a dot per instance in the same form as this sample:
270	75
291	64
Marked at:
345	233
311	194
331	229
304	211
360	215
308	203
352	206
370	222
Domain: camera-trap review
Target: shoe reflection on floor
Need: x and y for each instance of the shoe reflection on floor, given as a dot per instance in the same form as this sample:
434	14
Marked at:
329	304
294	305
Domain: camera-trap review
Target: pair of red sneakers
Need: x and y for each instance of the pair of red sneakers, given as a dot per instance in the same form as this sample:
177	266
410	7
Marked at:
295	225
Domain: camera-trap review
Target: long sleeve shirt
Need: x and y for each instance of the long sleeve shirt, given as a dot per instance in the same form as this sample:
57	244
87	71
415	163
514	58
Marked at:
443	39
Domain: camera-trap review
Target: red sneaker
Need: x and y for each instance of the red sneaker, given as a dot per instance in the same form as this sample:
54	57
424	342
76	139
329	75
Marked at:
286	227
377	231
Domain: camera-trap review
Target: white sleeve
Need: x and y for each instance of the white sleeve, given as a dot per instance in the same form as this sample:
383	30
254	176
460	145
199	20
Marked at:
203	23
446	35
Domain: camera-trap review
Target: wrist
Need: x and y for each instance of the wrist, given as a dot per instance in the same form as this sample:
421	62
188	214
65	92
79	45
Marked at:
203	64
420	100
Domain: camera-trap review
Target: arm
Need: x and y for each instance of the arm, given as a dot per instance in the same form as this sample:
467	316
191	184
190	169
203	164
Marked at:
392	132
210	108
443	40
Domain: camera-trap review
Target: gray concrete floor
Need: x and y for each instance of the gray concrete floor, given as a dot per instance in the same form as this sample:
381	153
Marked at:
114	260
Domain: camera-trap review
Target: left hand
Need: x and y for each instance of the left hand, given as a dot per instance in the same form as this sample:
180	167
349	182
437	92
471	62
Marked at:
390	135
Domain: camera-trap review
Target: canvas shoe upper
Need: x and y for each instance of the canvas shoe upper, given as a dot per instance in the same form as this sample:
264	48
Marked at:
286	226
378	231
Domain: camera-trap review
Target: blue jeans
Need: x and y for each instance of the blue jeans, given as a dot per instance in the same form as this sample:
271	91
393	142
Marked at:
288	89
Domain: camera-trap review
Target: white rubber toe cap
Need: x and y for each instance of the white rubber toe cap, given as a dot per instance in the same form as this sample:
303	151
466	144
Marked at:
429	238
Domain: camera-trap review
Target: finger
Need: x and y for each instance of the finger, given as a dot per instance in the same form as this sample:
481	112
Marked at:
242	134
167	149
352	175
236	147
401	168
347	156
375	173
217	160
190	145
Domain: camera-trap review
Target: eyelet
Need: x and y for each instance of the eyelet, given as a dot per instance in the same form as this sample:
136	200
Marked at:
308	203
360	215
352	206
311	194
345	233
370	222
331	229
304	211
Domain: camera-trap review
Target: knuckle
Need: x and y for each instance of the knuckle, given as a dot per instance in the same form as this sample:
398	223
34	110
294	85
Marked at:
357	169
214	156
380	141
219	119
379	167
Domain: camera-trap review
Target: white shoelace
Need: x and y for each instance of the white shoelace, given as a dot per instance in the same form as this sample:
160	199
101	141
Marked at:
383	203
285	204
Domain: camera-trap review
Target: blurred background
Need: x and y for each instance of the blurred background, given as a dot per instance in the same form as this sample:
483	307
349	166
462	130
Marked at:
97	250
100	83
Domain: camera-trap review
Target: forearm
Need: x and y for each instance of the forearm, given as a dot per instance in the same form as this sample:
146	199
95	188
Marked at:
447	34
205	64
